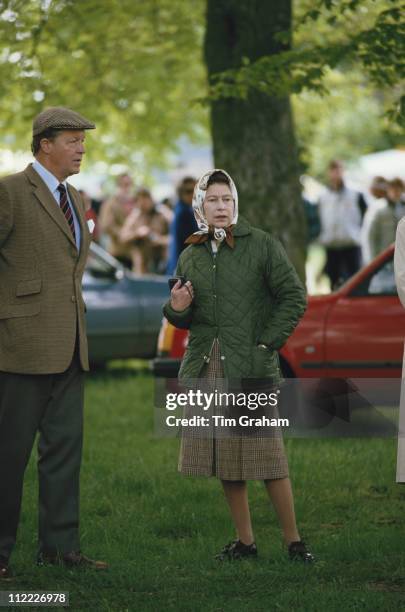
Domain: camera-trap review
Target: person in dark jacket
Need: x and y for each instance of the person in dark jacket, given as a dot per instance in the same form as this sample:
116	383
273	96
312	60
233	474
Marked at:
312	217
183	223
241	301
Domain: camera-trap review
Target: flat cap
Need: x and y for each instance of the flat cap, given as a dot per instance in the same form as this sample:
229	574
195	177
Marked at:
60	118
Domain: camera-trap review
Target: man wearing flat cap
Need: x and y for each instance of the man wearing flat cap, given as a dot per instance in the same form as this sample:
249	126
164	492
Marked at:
44	242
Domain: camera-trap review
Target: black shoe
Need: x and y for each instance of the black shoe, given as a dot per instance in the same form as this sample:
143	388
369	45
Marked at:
297	551
71	560
237	550
5	570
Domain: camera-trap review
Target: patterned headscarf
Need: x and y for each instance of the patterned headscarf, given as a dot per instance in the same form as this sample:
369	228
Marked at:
219	233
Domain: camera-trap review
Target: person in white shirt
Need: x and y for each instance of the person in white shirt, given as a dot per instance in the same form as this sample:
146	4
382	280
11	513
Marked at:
341	211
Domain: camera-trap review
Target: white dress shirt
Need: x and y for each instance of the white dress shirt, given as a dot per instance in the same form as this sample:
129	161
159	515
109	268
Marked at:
53	183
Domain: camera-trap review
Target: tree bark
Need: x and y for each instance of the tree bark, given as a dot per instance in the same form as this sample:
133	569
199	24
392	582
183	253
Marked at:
254	139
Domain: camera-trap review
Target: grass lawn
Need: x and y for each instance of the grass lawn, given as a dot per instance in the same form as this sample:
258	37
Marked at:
159	531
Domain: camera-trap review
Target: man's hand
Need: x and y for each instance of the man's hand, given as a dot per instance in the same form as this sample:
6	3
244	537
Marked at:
181	296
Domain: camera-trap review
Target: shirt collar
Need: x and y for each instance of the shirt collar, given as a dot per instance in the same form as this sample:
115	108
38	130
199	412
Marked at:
49	179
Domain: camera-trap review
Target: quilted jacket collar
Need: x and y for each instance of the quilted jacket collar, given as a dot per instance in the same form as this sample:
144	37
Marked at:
242	228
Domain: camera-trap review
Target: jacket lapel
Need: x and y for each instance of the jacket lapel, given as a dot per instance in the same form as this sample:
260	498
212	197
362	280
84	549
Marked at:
48	202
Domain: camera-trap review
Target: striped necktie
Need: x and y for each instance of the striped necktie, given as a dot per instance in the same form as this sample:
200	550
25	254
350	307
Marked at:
66	209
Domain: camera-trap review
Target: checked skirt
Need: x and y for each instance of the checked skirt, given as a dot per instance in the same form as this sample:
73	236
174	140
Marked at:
230	453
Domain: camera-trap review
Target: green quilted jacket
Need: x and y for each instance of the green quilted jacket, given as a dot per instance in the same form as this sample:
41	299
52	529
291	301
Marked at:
247	295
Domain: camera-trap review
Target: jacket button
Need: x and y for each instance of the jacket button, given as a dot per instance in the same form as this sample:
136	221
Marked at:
73	298
214	296
213	267
222	357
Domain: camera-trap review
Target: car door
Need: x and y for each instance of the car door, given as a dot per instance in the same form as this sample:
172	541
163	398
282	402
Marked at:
365	329
113	313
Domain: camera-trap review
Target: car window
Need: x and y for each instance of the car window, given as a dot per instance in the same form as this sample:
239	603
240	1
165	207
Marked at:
100	263
380	282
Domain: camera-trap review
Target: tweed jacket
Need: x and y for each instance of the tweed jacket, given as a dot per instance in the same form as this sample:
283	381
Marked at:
247	295
41	270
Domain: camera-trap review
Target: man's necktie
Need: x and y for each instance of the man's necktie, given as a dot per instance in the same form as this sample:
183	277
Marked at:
66	209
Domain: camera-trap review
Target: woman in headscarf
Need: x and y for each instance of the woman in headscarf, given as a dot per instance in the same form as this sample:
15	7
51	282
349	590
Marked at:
241	301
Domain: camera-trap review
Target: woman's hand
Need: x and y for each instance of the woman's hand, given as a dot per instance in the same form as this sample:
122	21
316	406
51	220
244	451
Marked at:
181	296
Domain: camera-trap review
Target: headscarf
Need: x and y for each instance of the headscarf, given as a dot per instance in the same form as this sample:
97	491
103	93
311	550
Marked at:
206	231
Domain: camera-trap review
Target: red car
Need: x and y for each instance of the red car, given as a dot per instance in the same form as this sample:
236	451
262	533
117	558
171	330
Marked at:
356	332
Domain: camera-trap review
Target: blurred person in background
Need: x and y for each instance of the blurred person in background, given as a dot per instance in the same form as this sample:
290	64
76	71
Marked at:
311	211
383	226
395	194
376	200
113	213
378	188
341	211
312	228
145	234
183	224
165	207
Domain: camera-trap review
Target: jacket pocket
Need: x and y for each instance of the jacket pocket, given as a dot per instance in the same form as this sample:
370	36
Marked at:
20	310
28	287
265	364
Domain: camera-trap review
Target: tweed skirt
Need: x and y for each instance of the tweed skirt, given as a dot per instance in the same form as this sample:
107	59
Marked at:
230	457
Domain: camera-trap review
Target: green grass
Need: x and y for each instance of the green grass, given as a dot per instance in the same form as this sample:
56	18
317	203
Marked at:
159	530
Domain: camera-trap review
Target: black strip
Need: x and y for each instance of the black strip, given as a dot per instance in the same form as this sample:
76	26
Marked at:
165	367
371	365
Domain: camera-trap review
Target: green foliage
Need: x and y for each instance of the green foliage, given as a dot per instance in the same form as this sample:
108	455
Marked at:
136	68
345	124
132	67
367	34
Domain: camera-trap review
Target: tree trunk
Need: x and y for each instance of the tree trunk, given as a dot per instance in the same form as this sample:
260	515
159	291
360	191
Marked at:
254	138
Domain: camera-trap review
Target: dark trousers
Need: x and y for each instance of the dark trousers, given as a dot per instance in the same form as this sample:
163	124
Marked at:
51	404
341	264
